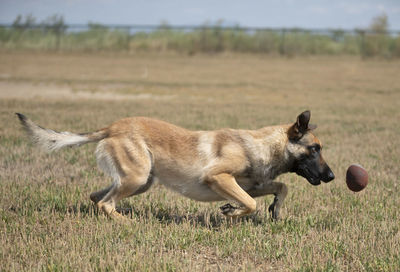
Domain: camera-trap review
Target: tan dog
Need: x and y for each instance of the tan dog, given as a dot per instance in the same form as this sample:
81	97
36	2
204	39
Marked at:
216	165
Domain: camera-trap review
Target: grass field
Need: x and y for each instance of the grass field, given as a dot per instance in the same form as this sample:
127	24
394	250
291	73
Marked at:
48	223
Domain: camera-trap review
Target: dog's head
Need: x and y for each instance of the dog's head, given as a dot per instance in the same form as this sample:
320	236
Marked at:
305	152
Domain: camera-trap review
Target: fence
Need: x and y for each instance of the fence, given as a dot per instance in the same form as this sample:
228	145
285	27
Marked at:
205	39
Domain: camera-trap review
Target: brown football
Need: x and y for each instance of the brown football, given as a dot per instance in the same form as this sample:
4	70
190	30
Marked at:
356	177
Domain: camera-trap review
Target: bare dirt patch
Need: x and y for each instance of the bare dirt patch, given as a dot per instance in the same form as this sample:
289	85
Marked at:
29	90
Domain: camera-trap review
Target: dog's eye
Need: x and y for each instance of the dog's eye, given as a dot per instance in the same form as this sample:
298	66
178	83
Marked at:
315	149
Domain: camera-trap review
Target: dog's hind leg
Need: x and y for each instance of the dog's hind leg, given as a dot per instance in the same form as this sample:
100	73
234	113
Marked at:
129	185
97	196
129	165
280	191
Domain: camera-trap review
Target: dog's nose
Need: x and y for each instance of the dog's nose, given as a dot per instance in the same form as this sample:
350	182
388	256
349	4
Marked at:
330	176
327	175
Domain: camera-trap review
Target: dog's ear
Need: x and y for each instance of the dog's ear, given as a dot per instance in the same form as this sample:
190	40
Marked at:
302	125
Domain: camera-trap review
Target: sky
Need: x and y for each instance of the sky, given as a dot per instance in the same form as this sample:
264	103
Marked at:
344	14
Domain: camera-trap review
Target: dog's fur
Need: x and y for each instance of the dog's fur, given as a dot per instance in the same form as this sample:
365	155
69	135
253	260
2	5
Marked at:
225	164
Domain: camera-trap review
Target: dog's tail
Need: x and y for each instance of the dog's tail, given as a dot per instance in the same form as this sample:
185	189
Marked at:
51	140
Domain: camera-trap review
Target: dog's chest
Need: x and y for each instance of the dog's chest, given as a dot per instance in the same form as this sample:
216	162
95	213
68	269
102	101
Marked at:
260	174
267	160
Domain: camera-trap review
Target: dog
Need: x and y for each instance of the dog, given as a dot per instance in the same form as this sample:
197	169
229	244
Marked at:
227	164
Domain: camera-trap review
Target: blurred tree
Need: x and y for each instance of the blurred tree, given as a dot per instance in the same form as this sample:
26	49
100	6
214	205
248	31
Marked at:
380	24
164	26
54	23
20	24
377	42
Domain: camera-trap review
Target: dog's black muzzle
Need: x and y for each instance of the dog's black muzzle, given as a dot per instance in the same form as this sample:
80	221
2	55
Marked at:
314	176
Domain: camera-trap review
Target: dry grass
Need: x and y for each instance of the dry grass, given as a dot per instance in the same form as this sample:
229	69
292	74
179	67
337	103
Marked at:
48	223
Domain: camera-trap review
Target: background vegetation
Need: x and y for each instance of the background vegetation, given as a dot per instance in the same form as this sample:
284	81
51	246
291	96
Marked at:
47	222
54	34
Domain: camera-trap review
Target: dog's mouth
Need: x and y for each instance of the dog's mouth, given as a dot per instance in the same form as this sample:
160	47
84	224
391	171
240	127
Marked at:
314	181
311	178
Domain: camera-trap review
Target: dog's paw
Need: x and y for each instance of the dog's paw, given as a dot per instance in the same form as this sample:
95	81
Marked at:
273	210
119	217
228	209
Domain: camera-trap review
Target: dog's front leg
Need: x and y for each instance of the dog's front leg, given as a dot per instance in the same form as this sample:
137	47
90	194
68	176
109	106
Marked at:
226	186
278	189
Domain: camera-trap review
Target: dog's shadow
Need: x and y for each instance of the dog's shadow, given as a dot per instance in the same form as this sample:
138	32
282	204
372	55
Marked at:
203	219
